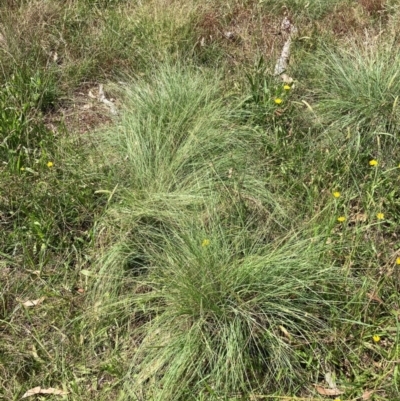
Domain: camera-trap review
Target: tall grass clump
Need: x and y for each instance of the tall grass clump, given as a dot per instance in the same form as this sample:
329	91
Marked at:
358	90
219	314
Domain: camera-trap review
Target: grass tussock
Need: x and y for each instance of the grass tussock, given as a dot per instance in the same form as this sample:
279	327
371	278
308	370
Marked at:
181	148
360	86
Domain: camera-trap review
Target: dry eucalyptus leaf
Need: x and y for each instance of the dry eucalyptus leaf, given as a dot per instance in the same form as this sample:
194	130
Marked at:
328	391
32	391
358	218
35	302
54	391
367	395
39	390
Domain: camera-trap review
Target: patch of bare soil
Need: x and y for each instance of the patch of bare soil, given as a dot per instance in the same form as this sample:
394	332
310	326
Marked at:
84	112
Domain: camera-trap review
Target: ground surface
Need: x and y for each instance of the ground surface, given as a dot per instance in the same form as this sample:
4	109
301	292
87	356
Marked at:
201	229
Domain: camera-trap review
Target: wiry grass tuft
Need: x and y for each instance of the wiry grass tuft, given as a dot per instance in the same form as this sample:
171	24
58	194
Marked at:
359	92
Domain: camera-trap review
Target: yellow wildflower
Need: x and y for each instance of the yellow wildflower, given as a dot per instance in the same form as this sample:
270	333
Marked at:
278	101
341	219
376	338
22	168
373	162
286	87
50	164
205	242
337	399
398	261
336	194
380	216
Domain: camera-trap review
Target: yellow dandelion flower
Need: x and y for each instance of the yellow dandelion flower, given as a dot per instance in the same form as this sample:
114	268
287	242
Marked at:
336	194
398	261
380	216
341	219
376	338
205	242
373	162
278	101
286	87
22	168
50	164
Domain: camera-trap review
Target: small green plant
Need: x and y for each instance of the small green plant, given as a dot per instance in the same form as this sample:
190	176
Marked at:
268	99
22	134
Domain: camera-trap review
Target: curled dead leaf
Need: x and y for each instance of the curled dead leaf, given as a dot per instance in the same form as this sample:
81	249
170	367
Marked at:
374	297
285	332
286	79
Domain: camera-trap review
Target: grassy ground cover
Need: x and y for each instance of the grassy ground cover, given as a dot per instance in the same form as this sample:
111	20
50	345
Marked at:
224	236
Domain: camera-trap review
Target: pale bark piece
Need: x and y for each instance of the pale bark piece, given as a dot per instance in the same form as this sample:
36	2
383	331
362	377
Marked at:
102	98
330	379
289	30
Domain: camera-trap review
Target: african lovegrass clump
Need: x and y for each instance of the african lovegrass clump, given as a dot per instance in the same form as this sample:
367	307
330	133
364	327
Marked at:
178	152
216	312
178	149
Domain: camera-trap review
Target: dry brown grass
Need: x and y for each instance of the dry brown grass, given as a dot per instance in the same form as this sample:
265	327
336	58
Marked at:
243	31
373	7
